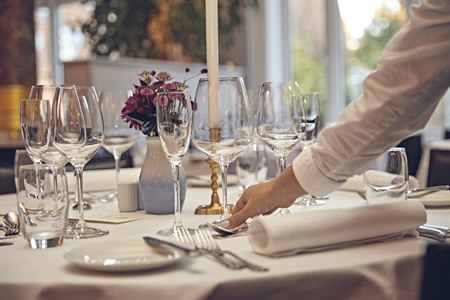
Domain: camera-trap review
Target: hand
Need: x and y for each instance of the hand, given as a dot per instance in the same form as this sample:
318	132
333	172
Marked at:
265	198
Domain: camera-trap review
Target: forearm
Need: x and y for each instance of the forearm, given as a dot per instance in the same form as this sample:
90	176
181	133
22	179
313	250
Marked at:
397	100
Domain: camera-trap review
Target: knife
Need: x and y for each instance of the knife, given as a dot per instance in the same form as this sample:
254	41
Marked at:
6	244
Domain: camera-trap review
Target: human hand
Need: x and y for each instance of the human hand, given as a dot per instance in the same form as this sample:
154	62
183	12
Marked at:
265	198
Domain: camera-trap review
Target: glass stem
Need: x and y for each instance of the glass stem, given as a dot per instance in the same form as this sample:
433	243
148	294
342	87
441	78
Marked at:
281	164
81	222
224	169
117	166
56	190
177	194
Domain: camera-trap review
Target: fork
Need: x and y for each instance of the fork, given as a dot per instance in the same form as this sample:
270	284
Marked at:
206	241
183	236
10	229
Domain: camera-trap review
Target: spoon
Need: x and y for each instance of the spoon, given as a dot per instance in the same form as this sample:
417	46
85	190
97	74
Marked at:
228	231
26	214
11	219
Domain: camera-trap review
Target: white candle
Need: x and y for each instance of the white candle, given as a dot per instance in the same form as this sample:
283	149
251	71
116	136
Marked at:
212	61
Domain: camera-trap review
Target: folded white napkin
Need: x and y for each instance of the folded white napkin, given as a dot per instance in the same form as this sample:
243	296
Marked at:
356	183
324	229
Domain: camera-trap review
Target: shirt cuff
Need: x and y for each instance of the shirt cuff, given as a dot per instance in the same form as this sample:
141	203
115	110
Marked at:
310	177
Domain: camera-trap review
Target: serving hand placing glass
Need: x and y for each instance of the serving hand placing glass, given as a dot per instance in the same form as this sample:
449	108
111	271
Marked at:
174	120
278	119
222	125
79	134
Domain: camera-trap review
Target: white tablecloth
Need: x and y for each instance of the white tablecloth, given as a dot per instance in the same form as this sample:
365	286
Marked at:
388	270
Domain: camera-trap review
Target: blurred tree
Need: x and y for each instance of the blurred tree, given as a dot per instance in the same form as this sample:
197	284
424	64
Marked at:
383	27
159	29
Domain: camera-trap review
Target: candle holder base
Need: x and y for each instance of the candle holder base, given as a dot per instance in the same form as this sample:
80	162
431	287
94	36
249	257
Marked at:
213	209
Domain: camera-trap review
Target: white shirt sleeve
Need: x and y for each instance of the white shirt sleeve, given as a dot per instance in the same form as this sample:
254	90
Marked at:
397	100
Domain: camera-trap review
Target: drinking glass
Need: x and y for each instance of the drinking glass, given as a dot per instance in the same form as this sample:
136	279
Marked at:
278	119
41	100
222	125
174	120
310	128
119	137
43	218
79	134
387	179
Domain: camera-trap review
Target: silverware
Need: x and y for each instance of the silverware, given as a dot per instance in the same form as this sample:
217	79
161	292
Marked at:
6	244
243	228
432	233
446	230
187	247
155	242
427	190
206	241
183	236
12	224
416	192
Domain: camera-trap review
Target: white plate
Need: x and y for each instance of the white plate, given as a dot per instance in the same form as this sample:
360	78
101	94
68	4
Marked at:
205	180
121	256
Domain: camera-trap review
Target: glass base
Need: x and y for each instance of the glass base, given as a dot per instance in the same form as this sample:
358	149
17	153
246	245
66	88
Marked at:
84	232
310	201
171	231
44	241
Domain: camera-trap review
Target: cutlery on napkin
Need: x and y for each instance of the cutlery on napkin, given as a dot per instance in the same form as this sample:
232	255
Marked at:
333	228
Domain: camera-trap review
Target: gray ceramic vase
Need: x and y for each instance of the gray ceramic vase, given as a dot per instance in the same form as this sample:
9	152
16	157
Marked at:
156	182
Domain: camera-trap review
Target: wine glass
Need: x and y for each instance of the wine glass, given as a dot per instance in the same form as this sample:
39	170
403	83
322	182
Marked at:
39	129
310	129
79	133
278	119
174	120
119	137
222	125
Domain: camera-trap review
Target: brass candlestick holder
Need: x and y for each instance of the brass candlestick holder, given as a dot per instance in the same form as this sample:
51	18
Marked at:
214	208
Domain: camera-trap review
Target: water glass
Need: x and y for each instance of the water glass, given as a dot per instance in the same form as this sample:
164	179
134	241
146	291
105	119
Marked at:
43	208
251	166
387	179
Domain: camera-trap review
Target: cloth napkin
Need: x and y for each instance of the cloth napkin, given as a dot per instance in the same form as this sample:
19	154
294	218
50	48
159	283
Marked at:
317	230
356	183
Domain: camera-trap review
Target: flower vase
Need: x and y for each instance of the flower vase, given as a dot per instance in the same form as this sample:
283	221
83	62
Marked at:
156	182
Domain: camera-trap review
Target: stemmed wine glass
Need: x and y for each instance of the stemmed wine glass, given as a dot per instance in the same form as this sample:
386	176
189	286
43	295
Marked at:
222	125
310	129
40	138
78	134
36	121
278	119
174	119
119	137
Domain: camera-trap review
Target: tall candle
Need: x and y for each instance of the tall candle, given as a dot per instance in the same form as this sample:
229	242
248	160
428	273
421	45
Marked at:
212	61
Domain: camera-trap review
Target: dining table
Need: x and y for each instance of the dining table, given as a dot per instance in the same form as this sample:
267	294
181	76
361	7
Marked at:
381	270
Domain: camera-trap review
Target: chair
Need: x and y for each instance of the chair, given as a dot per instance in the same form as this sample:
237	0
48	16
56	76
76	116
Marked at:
439	167
413	147
436	273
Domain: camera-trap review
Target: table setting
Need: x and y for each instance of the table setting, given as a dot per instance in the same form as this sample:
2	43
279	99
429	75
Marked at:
159	236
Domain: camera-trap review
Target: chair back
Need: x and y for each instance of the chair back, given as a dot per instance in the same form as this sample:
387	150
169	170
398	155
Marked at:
439	167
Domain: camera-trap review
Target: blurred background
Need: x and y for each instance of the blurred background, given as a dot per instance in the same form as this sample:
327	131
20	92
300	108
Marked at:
326	45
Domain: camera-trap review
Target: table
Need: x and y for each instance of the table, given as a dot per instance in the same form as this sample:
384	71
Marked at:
388	270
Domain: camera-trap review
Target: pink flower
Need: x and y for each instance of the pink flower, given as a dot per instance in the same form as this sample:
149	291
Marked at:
140	108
